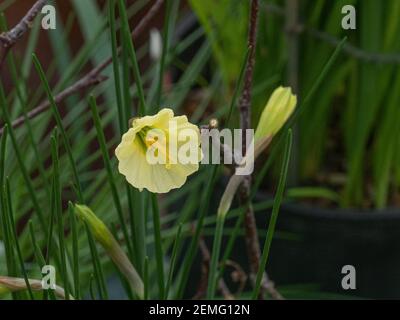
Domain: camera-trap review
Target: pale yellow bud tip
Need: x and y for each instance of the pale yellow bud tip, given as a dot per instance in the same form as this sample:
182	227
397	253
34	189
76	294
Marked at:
279	108
98	228
111	246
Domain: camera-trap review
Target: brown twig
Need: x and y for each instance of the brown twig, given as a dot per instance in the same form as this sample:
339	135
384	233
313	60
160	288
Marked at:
238	275
245	99
251	239
372	57
92	78
9	39
205	268
269	287
251	234
84	83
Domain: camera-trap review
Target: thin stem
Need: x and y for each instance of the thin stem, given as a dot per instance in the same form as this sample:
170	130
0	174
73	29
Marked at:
164	52
292	10
274	215
12	225
146	278
60	125
18	153
58	210
173	259
187	263
252	244
40	260
98	270
117	77
93	77
132	54
351	50
158	246
9	39
107	163
238	85
213	275
75	249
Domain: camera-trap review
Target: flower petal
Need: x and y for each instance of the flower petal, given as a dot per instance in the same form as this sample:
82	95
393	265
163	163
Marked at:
157	178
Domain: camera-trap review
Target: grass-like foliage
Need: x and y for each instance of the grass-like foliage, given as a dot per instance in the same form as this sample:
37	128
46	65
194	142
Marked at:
62	200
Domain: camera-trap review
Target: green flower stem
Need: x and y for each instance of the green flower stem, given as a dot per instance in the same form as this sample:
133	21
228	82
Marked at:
102	235
4	221
3	147
213	275
75	249
178	239
40	260
158	246
58	210
132	54
238	86
223	209
98	269
164	52
9	209
122	122
107	164
187	263
274	215
146	278
242	211
27	122
18	153
60	125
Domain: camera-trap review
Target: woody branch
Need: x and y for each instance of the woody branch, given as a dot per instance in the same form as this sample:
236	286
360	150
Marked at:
251	234
90	79
9	38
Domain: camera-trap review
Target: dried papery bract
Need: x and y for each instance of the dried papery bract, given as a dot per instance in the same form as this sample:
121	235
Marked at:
10	284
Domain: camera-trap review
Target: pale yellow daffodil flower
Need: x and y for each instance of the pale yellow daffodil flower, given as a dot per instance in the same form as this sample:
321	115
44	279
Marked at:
163	135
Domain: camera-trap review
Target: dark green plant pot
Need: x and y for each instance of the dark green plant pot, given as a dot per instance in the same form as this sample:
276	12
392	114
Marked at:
326	240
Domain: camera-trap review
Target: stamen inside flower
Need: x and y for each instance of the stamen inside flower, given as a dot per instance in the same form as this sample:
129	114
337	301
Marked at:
148	136
150	141
149	150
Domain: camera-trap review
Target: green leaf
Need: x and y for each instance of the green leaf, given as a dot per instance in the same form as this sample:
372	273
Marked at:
274	215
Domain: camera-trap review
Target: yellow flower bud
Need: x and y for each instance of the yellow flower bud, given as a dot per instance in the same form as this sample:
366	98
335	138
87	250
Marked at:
279	108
